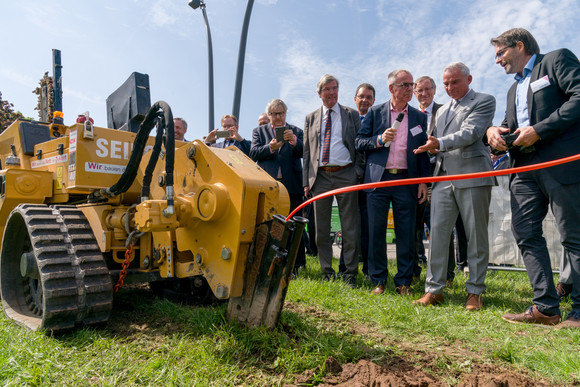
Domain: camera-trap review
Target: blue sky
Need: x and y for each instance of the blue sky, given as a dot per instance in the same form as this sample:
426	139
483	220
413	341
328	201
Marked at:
291	44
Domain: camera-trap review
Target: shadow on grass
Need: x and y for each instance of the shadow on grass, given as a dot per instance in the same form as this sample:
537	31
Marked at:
139	317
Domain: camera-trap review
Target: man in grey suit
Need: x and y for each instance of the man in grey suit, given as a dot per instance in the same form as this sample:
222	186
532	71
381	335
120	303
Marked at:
543	113
459	128
331	162
424	90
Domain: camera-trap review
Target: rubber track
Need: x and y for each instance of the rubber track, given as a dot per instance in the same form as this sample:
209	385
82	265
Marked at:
77	288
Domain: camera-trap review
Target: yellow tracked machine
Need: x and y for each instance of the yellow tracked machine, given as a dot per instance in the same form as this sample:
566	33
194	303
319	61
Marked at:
84	209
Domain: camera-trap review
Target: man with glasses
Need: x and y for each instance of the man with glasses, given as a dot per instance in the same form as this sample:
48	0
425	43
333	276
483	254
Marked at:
543	115
457	140
331	162
364	98
389	156
229	123
281	159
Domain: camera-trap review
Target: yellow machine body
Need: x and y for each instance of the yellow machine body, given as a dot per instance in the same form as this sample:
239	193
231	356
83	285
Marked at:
220	196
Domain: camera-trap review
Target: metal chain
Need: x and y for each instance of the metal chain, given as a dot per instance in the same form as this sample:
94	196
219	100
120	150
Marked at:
123	272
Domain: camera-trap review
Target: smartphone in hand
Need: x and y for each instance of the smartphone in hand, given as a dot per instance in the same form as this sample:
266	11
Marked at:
280	133
222	133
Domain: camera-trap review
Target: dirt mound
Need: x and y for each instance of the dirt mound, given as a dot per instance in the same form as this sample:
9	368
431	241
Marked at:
399	372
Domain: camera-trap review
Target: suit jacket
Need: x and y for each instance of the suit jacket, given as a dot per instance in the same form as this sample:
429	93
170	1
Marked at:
554	112
462	133
286	158
312	129
436	107
243	145
377	120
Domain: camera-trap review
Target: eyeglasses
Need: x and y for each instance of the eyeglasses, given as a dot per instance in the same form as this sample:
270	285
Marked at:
277	114
499	53
404	84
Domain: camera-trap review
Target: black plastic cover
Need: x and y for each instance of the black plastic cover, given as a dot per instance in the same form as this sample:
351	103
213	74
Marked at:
128	105
31	134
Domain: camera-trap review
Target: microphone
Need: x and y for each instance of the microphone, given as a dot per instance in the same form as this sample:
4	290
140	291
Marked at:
396	125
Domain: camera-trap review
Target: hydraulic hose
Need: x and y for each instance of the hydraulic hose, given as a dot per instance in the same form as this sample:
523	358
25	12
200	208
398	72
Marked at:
158	115
433	179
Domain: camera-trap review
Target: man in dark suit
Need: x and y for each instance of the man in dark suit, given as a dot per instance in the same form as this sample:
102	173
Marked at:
364	98
459	128
543	113
229	123
331	162
424	90
389	156
281	159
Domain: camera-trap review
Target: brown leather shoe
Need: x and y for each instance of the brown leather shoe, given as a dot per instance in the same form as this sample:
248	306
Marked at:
572	321
429	299
404	290
532	316
379	289
473	302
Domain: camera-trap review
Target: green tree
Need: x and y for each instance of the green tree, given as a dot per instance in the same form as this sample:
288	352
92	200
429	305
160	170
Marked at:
7	114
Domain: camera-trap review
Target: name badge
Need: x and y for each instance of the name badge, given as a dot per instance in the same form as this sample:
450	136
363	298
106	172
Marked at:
540	84
416	130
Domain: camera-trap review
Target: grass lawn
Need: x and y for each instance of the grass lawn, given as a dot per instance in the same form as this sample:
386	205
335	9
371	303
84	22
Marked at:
155	342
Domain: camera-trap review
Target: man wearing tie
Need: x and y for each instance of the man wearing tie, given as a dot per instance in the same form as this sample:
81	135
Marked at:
389	156
424	90
459	128
364	98
331	162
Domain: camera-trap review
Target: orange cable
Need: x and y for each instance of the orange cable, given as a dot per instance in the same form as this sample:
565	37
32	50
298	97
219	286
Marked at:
432	179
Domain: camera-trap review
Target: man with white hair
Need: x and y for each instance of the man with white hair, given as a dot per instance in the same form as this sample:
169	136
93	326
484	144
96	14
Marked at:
459	129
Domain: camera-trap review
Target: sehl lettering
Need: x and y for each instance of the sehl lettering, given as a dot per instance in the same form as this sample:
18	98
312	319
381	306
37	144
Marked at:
115	149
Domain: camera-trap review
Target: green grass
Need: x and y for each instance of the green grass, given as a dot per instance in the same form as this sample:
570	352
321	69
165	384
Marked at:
155	342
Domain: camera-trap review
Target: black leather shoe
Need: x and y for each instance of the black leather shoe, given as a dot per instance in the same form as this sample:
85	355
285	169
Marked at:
350	280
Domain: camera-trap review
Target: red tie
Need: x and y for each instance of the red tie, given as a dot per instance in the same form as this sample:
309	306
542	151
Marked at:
326	143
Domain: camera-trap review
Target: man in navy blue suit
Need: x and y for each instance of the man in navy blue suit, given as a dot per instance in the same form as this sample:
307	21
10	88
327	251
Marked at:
229	123
389	156
543	113
281	159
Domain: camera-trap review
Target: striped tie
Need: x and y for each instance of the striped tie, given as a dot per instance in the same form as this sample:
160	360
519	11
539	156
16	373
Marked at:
326	142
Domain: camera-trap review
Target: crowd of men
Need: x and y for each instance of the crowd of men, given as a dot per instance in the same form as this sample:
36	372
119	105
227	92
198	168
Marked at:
341	147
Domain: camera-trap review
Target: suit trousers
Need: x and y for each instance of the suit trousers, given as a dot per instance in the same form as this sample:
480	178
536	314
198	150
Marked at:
404	207
447	201
348	212
531	195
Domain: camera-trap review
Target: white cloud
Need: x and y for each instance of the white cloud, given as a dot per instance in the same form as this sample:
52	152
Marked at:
163	13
